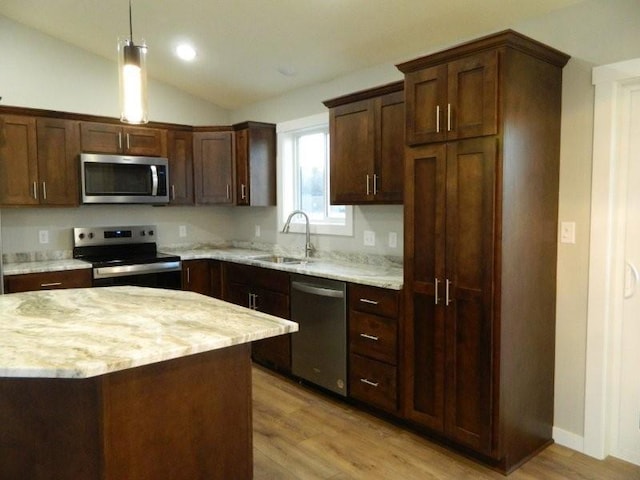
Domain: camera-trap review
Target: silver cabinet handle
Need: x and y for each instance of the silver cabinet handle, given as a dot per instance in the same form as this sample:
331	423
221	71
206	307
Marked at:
369	337
447	299
173	192
448	117
35	190
436	290
370	302
243	191
368	190
44	190
128	142
188	275
51	284
120	140
369	382
228	191
375	184
437	118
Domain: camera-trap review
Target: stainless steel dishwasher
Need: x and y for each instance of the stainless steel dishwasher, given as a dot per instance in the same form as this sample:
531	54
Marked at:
319	348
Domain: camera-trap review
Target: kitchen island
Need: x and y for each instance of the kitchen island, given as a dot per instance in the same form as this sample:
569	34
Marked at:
127	383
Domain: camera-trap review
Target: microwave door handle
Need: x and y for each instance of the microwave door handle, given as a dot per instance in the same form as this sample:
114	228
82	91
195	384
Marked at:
154	180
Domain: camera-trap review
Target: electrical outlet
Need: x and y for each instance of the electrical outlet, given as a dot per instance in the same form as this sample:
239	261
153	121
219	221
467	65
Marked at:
393	240
182	230
43	236
568	232
257	234
369	238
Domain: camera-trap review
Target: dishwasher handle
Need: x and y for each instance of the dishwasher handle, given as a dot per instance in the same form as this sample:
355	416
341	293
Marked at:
314	290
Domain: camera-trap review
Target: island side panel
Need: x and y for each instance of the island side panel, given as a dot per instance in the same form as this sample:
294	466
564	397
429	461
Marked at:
185	419
49	429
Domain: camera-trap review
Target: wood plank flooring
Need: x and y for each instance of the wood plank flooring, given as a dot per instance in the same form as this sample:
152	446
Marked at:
299	433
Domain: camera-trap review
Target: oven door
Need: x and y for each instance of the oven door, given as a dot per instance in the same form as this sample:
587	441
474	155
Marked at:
165	275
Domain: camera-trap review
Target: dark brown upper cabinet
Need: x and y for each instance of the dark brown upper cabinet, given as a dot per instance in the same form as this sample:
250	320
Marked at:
39	161
367	146
213	165
255	164
180	155
117	139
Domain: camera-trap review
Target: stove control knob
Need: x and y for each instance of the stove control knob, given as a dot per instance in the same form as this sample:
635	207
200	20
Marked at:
151	233
90	234
81	236
143	233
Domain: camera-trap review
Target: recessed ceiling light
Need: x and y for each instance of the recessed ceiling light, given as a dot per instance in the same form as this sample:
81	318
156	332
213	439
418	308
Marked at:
186	52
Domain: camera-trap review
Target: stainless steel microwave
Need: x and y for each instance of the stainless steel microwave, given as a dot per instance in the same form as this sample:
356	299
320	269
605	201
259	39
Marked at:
124	179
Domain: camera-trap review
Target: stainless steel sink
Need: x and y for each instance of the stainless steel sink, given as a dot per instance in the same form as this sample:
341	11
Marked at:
280	259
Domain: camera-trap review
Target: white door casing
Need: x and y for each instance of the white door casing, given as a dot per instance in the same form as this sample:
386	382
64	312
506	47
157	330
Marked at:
606	304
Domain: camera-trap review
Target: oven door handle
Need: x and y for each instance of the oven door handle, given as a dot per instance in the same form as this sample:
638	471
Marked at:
140	269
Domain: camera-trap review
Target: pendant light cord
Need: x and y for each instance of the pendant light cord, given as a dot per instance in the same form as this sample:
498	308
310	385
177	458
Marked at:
130	25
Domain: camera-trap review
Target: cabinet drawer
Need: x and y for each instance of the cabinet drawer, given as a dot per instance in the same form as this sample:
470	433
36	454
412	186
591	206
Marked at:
373	382
257	277
379	301
373	336
48	280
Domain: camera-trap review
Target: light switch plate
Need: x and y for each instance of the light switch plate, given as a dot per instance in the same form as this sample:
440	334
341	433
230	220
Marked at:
43	236
568	232
369	238
182	230
257	232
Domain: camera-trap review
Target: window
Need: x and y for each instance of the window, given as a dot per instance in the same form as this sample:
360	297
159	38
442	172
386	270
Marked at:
303	147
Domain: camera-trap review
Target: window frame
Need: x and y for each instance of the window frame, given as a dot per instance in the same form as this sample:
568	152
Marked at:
286	133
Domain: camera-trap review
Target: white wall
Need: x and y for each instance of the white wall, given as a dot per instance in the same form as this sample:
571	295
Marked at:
39	71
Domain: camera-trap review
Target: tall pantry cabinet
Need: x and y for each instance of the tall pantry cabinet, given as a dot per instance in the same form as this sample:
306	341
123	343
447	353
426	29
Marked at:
481	201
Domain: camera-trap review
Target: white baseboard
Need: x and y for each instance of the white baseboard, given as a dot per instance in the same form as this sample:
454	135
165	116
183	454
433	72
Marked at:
568	439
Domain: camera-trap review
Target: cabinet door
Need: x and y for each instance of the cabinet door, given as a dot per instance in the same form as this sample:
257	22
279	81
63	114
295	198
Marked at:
180	155
275	351
388	180
242	167
424	341
144	141
352	130
473	96
426	103
101	138
213	166
18	161
58	150
256	165
470	223
196	276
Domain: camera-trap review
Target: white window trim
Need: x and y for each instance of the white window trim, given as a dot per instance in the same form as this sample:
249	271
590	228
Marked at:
284	209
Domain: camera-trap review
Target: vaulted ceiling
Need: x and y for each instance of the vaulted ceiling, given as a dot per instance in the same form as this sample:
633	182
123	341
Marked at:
250	50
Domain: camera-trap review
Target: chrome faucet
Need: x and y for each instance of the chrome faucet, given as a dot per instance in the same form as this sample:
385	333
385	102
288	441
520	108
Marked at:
308	248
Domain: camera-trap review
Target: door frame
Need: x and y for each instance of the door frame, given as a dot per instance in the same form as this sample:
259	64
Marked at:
604	315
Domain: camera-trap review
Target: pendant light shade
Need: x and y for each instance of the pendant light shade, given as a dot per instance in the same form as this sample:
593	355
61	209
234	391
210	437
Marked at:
133	79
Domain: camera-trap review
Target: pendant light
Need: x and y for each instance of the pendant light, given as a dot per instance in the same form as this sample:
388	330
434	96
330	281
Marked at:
132	69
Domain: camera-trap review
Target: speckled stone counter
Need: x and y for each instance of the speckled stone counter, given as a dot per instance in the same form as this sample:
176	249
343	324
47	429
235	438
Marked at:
348	268
79	333
127	382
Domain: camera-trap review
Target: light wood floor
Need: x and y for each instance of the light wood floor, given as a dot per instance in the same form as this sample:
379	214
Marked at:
301	434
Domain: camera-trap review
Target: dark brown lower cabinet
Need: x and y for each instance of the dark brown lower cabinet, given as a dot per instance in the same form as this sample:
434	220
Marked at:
267	291
202	276
48	280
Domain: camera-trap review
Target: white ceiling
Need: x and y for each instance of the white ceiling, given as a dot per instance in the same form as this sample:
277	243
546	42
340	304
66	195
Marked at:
242	44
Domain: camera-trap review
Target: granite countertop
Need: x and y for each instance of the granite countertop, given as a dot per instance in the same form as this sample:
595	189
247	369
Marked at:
384	274
80	333
381	274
